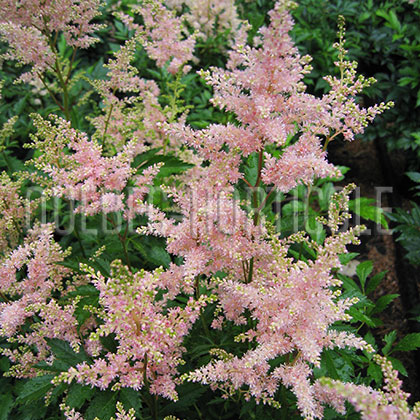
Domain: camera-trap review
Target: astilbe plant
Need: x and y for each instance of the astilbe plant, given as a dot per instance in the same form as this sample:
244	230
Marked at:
149	340
230	260
162	35
209	17
32	300
32	27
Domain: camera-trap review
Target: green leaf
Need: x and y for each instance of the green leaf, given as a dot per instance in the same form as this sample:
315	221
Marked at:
414	176
171	166
35	389
6	405
315	230
365	207
374	371
397	364
394	22
329	363
383	302
4	364
65	354
189	393
389	340
293	207
78	395
57	366
408	343
374	281
324	195
346	258
349	284
251	169
370	339
153	253
363	270
357	315
131	399
102	405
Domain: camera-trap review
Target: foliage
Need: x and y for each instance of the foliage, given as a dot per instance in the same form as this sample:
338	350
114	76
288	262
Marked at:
408	225
383	37
174	243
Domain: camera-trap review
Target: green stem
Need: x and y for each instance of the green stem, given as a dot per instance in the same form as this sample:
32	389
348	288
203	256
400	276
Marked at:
256	208
108	118
329	139
76	232
265	200
63	83
51	93
122	239
251	270
307	201
4	297
203	321
198	411
73	56
65	91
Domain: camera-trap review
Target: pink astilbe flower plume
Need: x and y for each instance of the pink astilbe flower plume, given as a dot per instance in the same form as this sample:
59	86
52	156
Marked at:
162	35
29	27
149	335
31	295
136	119
295	305
388	403
209	17
263	86
14	211
78	170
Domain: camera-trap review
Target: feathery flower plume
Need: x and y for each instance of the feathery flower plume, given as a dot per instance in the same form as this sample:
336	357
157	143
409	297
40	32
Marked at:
29	28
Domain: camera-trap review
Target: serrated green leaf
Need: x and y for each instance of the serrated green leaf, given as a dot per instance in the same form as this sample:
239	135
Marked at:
57	366
363	270
154	254
349	284
315	230
383	302
346	258
65	354
292	207
389	340
188	394
397	364
324	196
374	282
251	169
78	395
366	208
131	399
327	360
357	315
408	343
102	405
35	389
6	405
374	371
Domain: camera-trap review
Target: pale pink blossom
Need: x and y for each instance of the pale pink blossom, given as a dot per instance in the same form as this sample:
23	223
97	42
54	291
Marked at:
29	26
